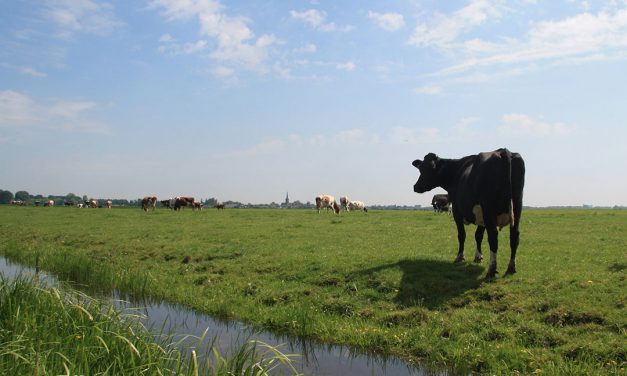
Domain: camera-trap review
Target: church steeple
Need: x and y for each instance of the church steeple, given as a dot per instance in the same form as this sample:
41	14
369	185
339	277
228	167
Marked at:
287	199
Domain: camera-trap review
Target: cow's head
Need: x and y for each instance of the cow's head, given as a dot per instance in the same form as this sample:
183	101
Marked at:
429	168
336	207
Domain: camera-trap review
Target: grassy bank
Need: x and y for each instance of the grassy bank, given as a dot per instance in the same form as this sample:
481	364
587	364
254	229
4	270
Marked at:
382	280
50	331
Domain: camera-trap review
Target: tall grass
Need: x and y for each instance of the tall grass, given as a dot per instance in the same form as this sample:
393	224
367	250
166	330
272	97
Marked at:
51	331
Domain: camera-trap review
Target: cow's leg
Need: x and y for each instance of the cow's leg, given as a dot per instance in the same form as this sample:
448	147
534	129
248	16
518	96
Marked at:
461	238
479	238
518	182
493	240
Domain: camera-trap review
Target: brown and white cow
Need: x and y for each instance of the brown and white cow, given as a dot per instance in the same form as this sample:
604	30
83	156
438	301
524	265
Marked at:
180	202
49	203
149	201
219	206
345	203
109	204
327	201
197	205
93	203
358	205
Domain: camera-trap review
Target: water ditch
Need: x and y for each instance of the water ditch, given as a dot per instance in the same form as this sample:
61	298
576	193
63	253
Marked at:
313	358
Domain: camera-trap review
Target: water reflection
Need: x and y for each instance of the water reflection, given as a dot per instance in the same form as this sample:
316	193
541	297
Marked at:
314	359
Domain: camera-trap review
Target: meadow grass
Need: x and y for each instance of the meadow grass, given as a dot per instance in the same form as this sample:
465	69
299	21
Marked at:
50	331
381	281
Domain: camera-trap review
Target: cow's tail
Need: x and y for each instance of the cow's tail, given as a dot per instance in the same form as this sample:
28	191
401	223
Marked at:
506	159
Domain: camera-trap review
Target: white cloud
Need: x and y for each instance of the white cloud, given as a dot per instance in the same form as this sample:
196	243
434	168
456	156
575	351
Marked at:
317	20
444	30
464	124
577	39
349	66
306	48
429	90
387	21
17	110
31	72
88	16
524	125
235	41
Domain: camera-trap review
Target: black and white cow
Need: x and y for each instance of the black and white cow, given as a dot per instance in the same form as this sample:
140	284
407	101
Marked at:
485	189
441	204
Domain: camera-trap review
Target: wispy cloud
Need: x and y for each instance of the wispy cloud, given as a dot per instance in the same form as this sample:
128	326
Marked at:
74	16
429	90
443	30
525	125
349	66
576	39
317	19
19	111
387	21
31	72
236	43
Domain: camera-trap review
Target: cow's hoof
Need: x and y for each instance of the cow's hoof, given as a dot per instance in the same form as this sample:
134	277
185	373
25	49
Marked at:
459	259
510	270
491	273
478	258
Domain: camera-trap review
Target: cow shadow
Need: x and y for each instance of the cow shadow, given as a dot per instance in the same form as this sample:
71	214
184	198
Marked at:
428	283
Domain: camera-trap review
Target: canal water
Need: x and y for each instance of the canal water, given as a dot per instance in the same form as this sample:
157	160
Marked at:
313	358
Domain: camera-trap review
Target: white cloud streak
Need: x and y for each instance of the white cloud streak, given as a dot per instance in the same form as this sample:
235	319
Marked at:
524	125
74	16
317	19
18	111
387	21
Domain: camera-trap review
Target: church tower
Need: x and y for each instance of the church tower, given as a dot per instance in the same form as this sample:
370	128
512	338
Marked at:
287	199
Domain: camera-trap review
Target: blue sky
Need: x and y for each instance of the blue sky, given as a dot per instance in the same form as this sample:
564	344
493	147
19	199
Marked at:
246	101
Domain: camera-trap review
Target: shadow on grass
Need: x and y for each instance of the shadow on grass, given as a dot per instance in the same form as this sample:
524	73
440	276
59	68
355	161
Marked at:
430	283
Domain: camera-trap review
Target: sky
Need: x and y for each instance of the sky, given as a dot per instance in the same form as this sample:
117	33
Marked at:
250	100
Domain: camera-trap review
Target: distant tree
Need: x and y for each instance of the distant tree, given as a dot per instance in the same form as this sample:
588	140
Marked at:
22	195
210	202
5	197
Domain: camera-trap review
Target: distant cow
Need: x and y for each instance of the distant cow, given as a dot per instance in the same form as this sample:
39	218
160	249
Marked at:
344	203
485	189
17	202
149	202
93	203
166	203
441	204
326	201
49	203
358	205
219	206
109	204
68	203
180	202
197	205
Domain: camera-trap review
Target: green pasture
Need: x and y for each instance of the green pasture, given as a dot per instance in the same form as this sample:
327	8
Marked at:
381	281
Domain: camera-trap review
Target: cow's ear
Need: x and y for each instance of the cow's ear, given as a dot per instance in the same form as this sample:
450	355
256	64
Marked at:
416	163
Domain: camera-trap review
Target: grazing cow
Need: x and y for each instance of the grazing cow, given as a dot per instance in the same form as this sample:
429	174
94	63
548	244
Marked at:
358	205
93	203
37	202
219	206
326	201
79	205
49	203
441	204
197	205
166	203
68	203
485	189
180	202
17	202
109	204
149	202
344	203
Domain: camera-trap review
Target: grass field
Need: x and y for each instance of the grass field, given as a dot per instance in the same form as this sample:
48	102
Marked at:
382	281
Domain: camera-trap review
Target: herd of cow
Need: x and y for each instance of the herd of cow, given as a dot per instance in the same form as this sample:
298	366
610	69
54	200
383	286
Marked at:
329	202
485	189
176	203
